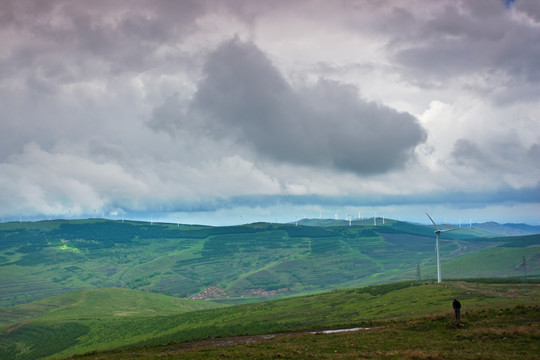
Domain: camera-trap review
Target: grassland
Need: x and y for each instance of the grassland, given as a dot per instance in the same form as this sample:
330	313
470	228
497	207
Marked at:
400	315
509	333
69	287
48	258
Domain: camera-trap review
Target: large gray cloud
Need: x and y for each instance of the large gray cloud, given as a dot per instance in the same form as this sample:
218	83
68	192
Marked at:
480	38
244	96
103	35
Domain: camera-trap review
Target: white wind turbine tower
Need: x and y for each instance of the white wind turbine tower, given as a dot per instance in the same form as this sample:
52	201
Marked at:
438	232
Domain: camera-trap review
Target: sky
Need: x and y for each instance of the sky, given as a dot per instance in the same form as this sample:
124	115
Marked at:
227	112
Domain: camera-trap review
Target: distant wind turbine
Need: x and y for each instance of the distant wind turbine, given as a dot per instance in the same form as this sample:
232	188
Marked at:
438	233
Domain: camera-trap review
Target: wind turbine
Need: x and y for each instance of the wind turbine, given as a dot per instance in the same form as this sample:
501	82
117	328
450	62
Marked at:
438	233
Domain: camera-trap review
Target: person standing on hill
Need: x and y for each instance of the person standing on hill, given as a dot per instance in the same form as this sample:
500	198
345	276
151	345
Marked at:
457	310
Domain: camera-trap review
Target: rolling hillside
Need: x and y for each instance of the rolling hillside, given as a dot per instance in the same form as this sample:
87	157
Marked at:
106	302
98	320
239	263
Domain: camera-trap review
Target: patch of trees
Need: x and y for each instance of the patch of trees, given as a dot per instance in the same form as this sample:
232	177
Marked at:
30	240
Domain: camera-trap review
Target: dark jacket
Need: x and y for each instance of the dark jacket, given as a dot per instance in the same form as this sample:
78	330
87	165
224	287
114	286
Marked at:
456	304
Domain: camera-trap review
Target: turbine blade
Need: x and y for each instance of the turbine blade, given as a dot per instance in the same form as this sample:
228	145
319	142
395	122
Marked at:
447	230
433	222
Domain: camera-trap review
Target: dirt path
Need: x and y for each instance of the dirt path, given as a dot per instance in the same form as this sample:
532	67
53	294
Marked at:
244	340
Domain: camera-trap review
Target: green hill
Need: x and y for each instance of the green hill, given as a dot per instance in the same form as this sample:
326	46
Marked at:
240	263
118	318
49	325
106	302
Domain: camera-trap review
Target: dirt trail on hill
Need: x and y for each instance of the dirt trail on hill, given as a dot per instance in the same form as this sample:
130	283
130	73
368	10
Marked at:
244	340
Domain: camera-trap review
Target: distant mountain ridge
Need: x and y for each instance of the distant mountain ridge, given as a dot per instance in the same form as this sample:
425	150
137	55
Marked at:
497	229
509	229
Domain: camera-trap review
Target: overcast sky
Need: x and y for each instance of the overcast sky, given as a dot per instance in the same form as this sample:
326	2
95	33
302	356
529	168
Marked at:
222	112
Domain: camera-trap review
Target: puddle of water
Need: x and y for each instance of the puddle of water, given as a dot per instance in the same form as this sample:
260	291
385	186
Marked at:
338	330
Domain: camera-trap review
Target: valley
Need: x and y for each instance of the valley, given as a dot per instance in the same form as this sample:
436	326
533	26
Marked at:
87	286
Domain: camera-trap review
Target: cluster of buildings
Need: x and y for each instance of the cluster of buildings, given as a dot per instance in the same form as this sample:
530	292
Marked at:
210	292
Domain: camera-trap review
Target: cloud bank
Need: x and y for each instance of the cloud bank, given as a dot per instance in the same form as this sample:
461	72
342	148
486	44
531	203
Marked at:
190	107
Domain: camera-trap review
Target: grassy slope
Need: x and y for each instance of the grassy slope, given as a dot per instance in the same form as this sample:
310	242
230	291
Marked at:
49	325
83	327
487	262
494	333
54	257
99	303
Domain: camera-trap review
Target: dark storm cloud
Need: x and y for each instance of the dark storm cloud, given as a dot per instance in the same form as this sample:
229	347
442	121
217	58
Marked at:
245	97
59	56
473	38
65	41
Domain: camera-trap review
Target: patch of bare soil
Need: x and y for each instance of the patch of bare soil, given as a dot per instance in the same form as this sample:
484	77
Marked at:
230	341
244	340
